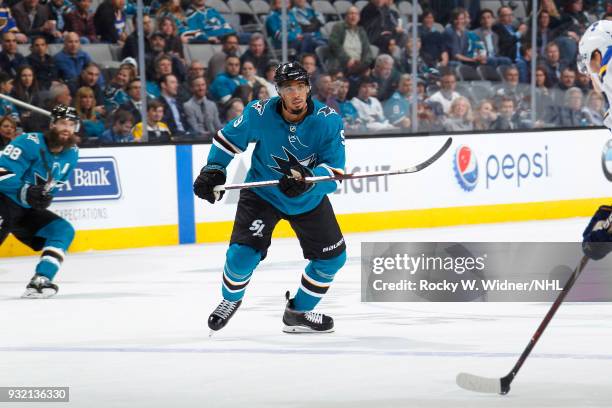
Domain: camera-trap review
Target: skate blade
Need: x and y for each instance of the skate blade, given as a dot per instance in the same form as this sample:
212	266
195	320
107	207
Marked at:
34	294
304	330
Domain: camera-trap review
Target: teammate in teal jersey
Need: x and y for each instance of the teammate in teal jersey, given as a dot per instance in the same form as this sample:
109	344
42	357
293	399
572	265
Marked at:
32	167
295	137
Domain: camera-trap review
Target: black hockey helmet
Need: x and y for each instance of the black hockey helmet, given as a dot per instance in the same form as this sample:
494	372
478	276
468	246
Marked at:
291	71
65	112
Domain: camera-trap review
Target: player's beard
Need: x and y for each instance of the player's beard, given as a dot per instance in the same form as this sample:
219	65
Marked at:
54	141
295	111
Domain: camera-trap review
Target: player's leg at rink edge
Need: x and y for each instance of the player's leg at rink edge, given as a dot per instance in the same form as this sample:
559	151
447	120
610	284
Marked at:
316	280
240	262
55	239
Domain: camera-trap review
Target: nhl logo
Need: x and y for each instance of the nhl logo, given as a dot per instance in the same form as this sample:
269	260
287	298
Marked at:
292	129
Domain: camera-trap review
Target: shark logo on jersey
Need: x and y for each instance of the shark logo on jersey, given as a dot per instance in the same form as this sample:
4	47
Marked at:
283	166
41	181
5	174
326	111
260	106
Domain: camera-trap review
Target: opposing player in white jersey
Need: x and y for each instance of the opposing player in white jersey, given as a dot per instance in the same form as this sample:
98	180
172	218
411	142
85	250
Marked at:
595	58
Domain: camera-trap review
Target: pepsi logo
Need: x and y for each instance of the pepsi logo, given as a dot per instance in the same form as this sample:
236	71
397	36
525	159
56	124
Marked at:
465	166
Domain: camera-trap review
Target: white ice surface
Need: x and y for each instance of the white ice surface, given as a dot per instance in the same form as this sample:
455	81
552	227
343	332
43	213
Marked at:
128	329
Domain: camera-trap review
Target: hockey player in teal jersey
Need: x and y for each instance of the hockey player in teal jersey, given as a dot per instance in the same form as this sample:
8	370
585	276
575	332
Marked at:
295	137
32	167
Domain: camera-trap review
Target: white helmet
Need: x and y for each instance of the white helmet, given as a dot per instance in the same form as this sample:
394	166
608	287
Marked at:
598	37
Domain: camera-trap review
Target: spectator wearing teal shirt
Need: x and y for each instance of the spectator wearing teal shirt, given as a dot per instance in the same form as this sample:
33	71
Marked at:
225	83
93	125
205	24
397	108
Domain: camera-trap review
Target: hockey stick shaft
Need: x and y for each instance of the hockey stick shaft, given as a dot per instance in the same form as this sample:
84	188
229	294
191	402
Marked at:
25	105
349	176
551	313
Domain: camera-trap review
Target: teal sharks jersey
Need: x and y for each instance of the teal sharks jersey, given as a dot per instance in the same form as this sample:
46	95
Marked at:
316	142
27	161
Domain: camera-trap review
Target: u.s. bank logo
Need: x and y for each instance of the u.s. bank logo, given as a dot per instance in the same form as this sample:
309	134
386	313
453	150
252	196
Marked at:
465	167
94	178
606	160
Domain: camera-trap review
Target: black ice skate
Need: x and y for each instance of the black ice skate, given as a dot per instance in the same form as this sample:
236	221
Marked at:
221	315
40	287
305	322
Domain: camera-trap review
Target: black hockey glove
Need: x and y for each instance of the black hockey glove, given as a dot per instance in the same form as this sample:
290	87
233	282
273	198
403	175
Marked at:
293	186
211	175
597	237
38	198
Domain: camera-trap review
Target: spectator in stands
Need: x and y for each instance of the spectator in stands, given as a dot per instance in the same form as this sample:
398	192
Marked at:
134	102
507	118
593	110
80	21
545	34
233	109
385	76
41	62
157	131
26	89
91	120
174	115
204	24
195	69
130	48
433	46
89	77
459	117
369	108
260	93
115	93
309	63
344	107
8	130
10	59
173	9
216	64
457	43
110	22
485	115
257	53
59	94
58	9
201	113
174	44
33	18
573	24
567	79
544	96
571	114
71	60
349	47
6	87
120	130
157	55
550	7
490	39
310	22
244	93
511	87
323	88
381	24
397	108
583	81
250	74
405	61
295	37
510	39
7	23
554	65
447	94
226	82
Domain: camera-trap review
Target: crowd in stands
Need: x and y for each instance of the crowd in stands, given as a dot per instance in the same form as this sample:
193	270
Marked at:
473	65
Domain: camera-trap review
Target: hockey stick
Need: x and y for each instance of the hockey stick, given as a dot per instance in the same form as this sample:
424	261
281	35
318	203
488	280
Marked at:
348	176
501	386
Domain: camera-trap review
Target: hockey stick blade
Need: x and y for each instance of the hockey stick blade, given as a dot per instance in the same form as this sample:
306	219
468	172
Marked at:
477	383
348	176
